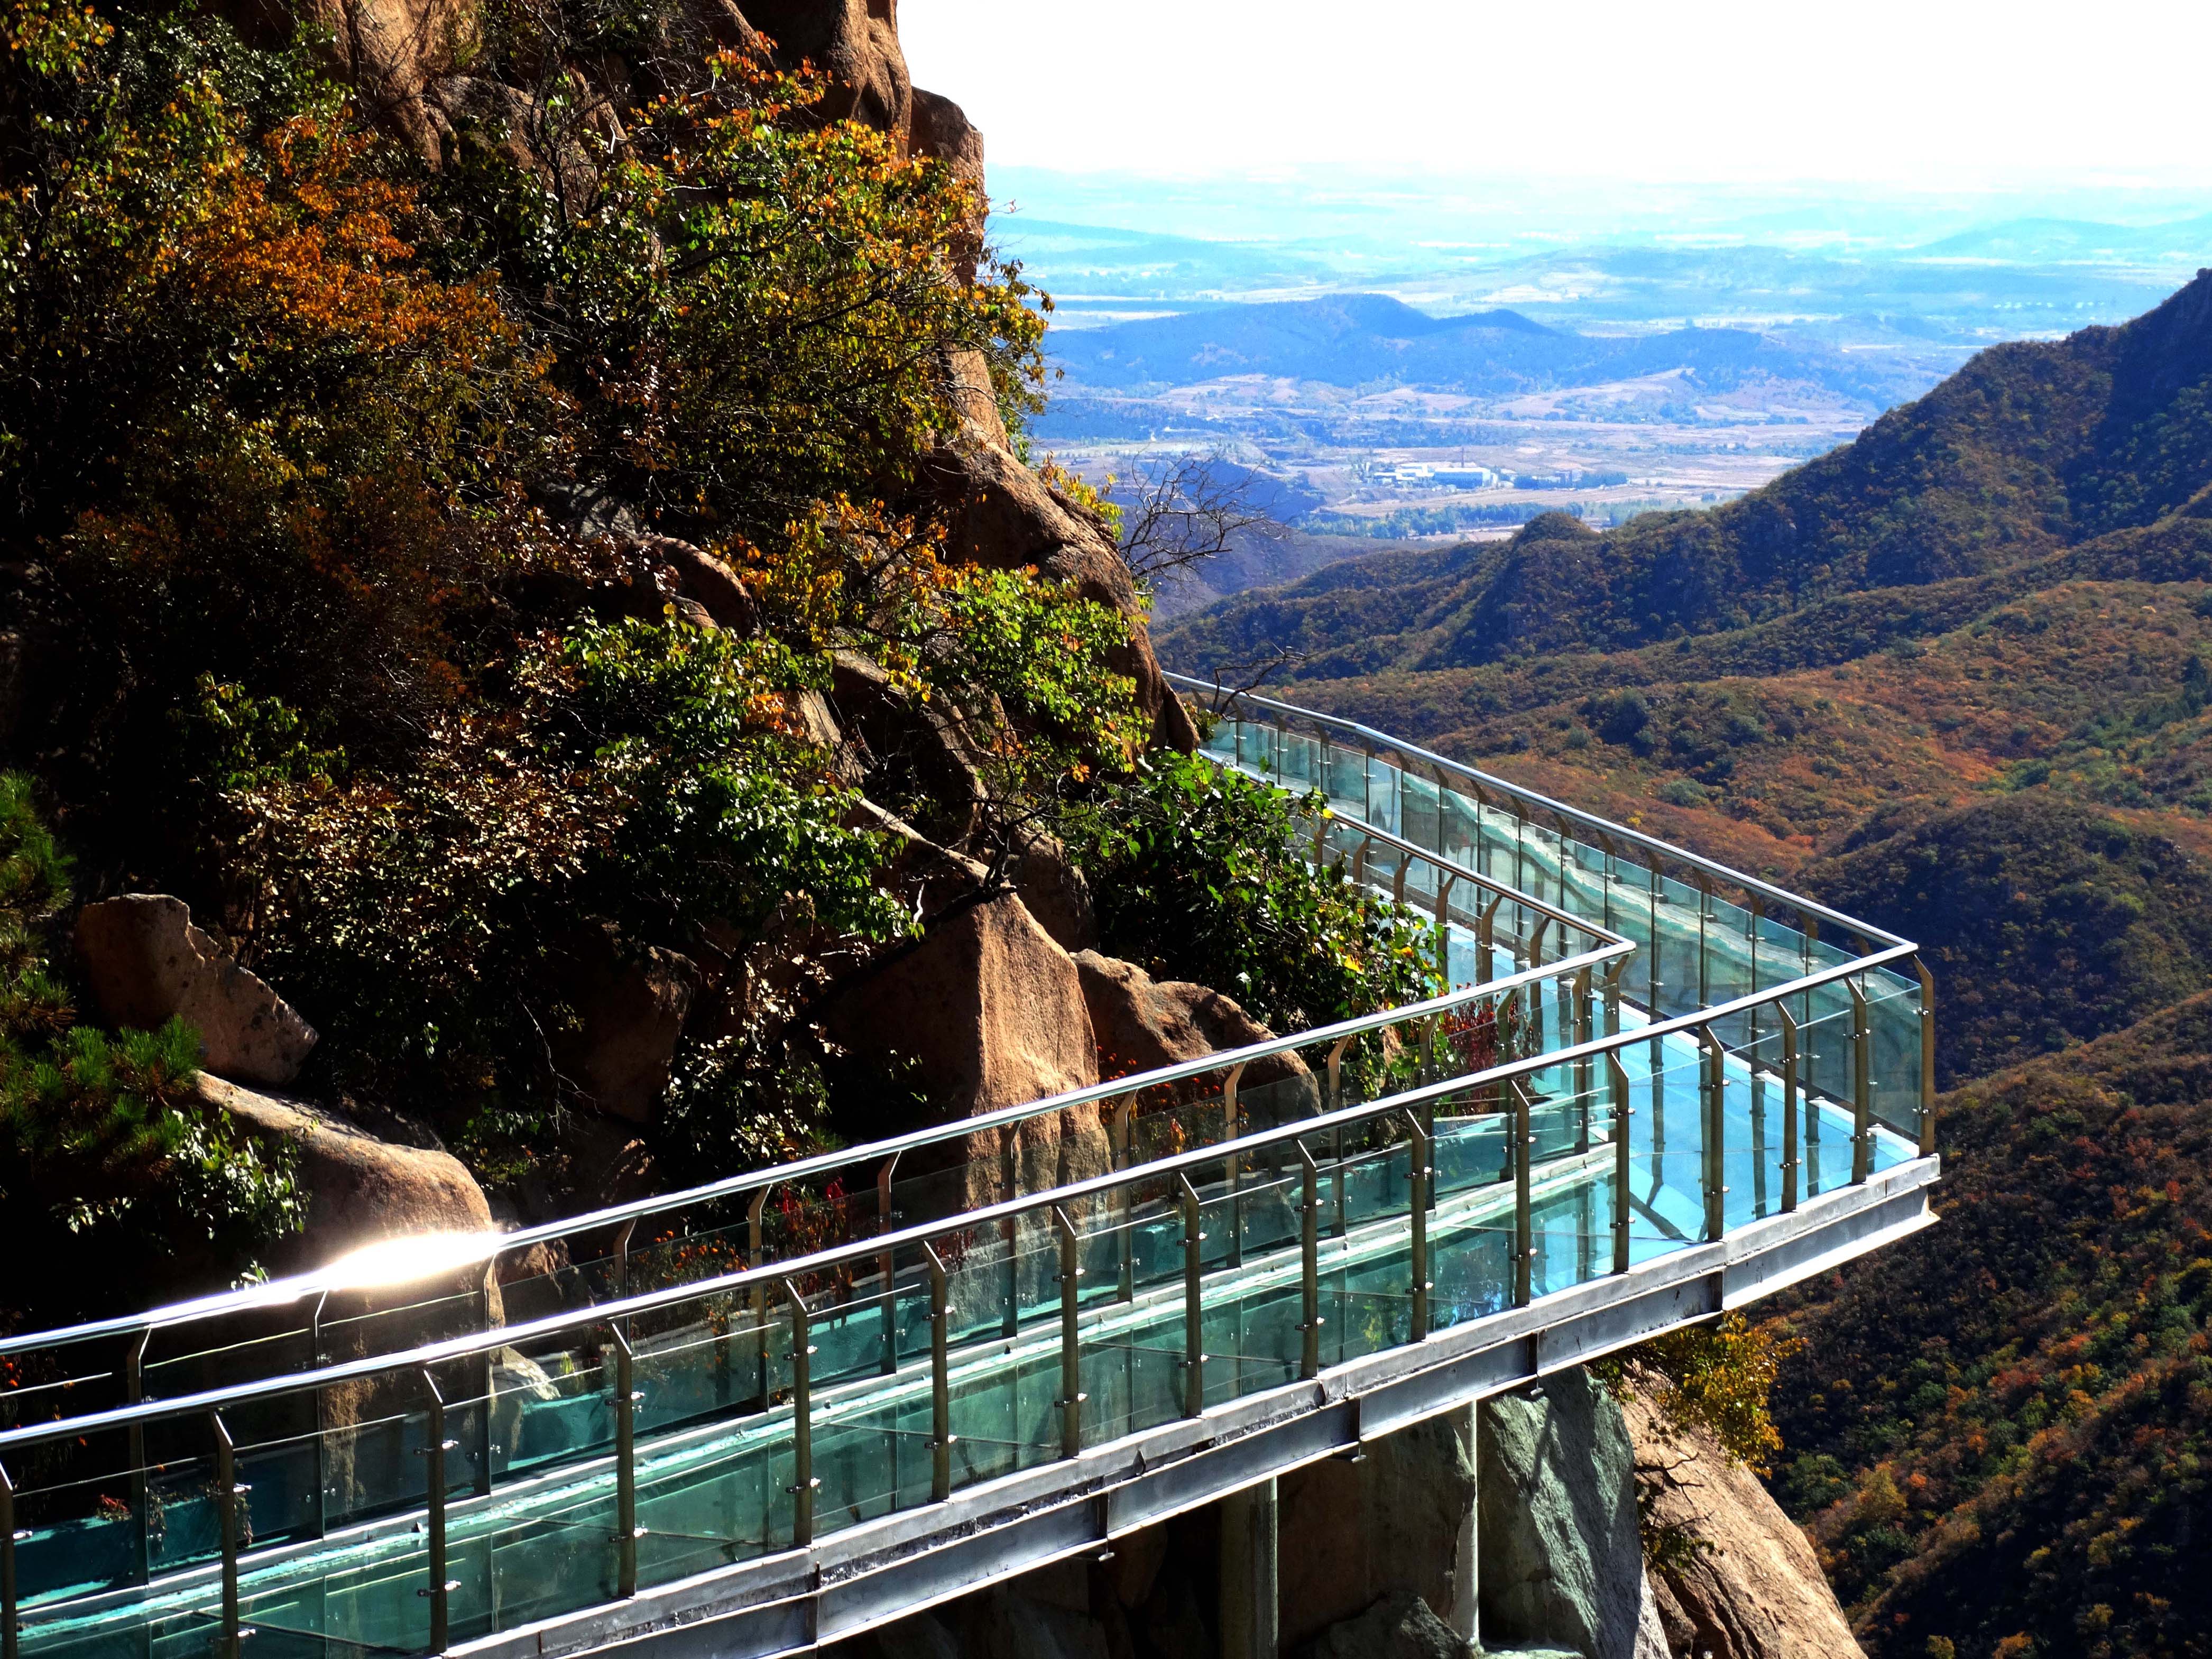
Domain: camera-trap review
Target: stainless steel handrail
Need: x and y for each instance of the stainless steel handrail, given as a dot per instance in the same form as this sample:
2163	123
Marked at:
299	1286
1373	739
869	1250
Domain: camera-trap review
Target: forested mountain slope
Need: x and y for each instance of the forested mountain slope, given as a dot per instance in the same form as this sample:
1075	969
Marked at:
1952	679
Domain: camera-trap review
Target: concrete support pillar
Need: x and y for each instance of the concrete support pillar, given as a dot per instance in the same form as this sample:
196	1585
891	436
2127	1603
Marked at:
1251	1617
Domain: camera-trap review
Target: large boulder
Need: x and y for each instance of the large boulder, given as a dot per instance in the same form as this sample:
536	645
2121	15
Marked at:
1054	887
1743	1582
1143	1023
360	1189
988	1012
629	1004
1393	1525
144	964
912	747
1560	1551
1399	1626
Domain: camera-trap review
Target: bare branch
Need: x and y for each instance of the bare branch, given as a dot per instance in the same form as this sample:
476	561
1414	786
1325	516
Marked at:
1188	511
1232	680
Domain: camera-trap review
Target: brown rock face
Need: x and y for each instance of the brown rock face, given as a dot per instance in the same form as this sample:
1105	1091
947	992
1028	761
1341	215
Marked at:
1749	1586
854	42
990	1012
1003	516
1142	1024
360	1189
630	1007
145	962
1393	1524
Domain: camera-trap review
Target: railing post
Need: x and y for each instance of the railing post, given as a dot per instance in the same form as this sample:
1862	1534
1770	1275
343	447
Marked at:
1716	1155
621	1257
1715	1160
803	1482
1861	1087
134	1392
1309	1264
1125	1111
1417	1172
887	1265
1927	1058
940	1379
485	1449
626	1528
1445	880
1009	1229
1485	935
439	1591
1232	1129
226	1518
1524	1231
1071	1350
1618	1075
1336	1136
1582	1070
1193	1310
7	1636
1704	927
1789	1109
1613	971
757	1249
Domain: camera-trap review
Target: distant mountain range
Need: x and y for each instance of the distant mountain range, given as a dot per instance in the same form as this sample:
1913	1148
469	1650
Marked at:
1357	339
2033	448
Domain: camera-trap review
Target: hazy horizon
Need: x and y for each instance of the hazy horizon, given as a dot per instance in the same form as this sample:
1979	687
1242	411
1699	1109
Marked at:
1913	95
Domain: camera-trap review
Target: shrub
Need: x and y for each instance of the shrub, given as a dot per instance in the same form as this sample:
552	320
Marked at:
1195	875
102	1147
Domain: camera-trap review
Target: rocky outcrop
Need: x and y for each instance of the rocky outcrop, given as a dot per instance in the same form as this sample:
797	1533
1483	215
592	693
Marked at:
1142	1024
912	747
855	43
145	963
988	1012
359	1188
1561	1555
1003	515
1393	1525
1400	1625
1053	887
630	1005
1738	1579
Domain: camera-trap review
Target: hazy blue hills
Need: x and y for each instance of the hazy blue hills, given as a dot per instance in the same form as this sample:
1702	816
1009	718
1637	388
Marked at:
2034	448
1359	339
2054	241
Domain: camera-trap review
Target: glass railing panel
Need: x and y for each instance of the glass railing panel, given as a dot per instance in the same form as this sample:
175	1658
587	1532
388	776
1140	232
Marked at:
1729	976
871	1456
551	1564
1420	811
1005	1416
1895	1027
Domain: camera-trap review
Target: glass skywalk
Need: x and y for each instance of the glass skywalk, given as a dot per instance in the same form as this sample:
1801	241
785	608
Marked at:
1632	1066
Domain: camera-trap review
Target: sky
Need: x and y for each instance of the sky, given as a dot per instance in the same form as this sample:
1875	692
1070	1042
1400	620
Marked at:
1936	94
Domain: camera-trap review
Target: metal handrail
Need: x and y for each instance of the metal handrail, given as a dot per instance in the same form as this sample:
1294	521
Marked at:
1372	739
855	1250
869	1250
299	1286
